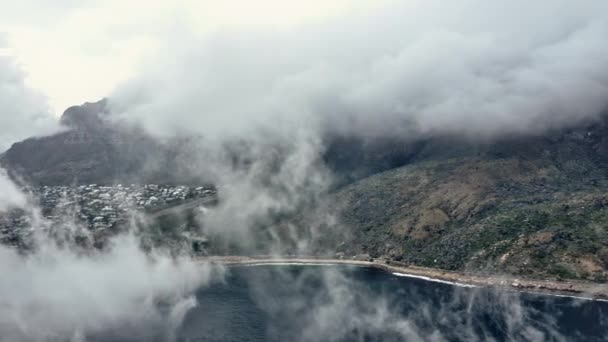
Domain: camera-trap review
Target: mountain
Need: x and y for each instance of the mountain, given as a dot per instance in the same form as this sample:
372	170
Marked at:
533	205
93	149
527	205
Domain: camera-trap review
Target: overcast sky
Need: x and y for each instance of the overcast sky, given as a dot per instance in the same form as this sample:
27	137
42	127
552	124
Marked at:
78	50
474	66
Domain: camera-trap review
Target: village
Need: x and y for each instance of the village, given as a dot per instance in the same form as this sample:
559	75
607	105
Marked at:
97	207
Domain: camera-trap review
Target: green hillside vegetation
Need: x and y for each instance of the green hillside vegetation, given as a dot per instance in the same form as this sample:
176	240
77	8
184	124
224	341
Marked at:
538	217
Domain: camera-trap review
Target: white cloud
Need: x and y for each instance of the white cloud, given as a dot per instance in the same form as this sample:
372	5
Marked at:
79	51
10	195
369	56
468	66
23	112
58	294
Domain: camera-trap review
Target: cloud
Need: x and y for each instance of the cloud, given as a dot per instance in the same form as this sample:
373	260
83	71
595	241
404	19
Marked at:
39	13
467	67
10	196
23	111
416	68
77	51
55	290
337	304
409	69
57	294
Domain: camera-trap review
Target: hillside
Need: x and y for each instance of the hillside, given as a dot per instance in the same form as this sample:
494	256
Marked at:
93	149
525	205
534	206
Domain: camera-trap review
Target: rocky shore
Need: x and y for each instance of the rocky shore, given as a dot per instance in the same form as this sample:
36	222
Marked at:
580	289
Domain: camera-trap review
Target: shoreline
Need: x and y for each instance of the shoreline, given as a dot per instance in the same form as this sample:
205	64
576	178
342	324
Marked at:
576	289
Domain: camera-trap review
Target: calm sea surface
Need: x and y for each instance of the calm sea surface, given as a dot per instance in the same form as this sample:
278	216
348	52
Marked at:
341	303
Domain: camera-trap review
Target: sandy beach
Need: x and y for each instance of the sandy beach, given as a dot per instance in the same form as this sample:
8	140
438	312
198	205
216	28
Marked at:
586	290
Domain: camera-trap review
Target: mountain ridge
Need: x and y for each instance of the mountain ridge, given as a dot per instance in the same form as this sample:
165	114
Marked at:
93	149
530	205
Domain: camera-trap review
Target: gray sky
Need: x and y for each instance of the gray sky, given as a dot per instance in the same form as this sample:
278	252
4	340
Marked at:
470	67
62	53
77	51
217	67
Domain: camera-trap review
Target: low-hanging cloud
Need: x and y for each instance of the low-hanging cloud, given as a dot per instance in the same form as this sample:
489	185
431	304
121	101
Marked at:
10	196
329	304
57	294
55	290
408	69
23	111
467	67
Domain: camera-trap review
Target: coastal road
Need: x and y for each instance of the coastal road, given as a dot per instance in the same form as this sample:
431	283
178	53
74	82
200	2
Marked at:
580	289
192	204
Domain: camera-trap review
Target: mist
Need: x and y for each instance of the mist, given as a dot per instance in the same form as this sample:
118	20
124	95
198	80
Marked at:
57	294
411	68
24	111
408	70
11	196
334	303
56	290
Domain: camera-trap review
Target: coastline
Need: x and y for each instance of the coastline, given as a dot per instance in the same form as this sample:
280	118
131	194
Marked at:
577	289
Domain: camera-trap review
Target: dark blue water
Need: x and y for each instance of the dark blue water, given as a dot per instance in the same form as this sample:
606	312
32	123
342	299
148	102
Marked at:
339	303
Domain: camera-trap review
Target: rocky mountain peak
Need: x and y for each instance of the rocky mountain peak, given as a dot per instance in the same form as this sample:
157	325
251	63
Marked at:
88	116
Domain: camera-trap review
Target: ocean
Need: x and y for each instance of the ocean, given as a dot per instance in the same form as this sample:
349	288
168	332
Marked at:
349	303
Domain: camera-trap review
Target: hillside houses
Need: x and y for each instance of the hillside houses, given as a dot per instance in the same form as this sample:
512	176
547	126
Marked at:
97	207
